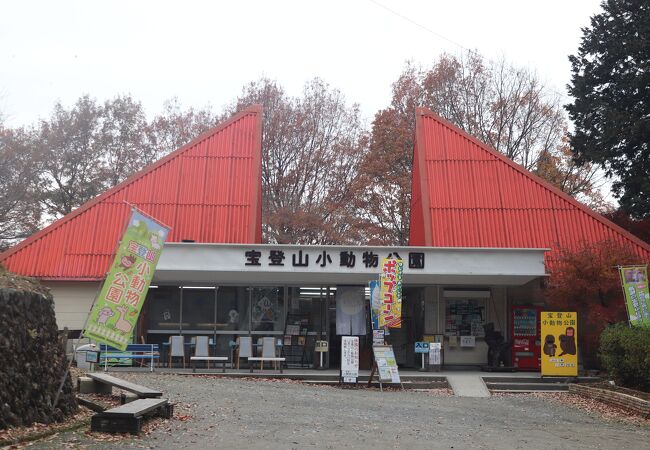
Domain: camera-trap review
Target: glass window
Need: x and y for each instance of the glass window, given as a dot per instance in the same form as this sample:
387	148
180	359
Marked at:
267	309
465	317
164	308
232	308
198	309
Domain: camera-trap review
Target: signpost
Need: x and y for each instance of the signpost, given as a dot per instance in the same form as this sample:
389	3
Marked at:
321	347
434	355
422	348
349	359
559	344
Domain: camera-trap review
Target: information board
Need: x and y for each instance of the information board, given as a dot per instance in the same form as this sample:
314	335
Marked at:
559	343
349	358
386	363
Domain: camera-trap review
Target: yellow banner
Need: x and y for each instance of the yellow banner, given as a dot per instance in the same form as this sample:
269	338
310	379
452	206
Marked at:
559	344
390	293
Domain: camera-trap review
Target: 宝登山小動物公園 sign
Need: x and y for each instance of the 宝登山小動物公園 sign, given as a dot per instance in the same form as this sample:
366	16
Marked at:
559	343
117	307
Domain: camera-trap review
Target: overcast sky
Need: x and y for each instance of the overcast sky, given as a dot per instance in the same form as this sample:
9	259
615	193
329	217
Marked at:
204	52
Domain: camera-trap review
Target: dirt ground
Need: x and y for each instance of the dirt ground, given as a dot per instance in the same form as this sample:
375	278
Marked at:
228	413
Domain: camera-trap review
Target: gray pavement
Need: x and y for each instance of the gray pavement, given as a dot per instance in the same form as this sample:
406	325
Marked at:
467	384
243	413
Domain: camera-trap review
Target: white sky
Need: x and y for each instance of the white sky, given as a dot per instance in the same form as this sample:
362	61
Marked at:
204	52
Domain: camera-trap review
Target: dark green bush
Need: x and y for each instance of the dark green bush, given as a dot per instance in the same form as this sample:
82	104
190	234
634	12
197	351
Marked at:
625	354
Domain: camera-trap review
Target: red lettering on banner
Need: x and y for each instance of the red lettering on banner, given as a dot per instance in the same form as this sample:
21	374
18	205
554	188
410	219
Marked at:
143	269
120	280
114	295
137	283
132	298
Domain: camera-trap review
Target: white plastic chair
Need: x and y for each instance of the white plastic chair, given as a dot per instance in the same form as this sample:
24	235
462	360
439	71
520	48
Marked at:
201	346
176	349
244	348
268	350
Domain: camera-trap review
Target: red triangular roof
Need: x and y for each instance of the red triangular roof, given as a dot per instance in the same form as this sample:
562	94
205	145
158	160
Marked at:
209	190
466	194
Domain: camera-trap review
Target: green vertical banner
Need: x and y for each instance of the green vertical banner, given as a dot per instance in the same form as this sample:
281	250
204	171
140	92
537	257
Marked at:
116	309
637	296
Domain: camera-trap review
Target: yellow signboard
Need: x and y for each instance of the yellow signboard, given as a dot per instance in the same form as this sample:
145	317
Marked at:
559	344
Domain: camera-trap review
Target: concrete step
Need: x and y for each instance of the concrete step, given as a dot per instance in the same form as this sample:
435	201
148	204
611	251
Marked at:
528	387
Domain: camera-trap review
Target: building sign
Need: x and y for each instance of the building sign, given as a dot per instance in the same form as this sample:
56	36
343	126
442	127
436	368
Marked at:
349	258
116	309
421	347
637	296
559	344
386	363
349	358
390	293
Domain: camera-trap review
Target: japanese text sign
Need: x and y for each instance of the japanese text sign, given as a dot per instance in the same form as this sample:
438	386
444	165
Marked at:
421	347
390	293
637	296
349	358
386	363
559	343
118	305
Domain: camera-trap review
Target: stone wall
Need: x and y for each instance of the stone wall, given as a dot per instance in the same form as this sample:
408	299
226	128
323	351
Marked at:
32	360
627	402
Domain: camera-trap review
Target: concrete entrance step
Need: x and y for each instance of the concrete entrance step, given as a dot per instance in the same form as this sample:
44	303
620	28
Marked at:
408	384
467	385
527	387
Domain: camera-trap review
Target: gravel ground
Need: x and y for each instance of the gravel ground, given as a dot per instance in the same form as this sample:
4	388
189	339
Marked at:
228	413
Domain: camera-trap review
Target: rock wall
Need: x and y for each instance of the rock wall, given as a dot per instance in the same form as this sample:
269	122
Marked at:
32	360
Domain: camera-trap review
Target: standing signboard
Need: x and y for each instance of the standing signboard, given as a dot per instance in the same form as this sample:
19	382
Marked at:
386	363
390	289
637	296
559	344
117	307
349	359
434	354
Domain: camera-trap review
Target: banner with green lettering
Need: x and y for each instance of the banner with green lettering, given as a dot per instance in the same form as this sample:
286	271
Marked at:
637	296
118	305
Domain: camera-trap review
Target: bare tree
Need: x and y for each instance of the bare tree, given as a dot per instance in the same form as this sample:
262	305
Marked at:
312	146
20	214
506	107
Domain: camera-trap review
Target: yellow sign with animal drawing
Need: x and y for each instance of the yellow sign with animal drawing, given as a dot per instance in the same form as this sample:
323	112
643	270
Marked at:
559	344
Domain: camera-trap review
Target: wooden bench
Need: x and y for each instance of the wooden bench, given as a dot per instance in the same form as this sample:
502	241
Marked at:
262	359
133	351
128	418
207	359
140	391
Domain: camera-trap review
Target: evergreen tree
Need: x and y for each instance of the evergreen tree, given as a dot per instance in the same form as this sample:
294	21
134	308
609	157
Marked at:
611	111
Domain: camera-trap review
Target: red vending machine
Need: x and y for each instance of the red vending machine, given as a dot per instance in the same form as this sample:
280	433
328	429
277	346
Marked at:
526	343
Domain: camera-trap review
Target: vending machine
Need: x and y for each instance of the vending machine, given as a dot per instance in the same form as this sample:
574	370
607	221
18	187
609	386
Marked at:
526	343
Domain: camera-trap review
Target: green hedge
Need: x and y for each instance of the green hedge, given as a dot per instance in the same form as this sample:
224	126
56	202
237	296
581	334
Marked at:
625	354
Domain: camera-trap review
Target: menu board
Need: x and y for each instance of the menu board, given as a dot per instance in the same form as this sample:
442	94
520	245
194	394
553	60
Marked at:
349	358
465	317
386	363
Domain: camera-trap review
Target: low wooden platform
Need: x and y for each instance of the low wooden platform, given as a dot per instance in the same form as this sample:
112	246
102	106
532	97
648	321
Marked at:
140	391
128	418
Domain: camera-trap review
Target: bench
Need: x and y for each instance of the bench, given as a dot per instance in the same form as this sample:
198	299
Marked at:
128	418
140	391
262	359
133	351
207	359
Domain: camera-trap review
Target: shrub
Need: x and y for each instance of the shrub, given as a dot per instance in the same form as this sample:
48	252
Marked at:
625	354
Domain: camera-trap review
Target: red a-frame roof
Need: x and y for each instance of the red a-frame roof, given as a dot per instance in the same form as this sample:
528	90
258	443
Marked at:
209	191
466	194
